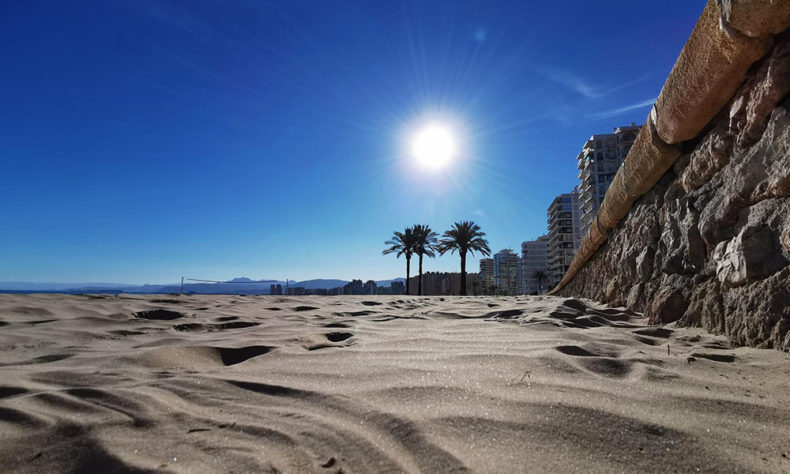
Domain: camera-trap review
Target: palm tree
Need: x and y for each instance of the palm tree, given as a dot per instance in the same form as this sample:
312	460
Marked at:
541	277
465	237
402	243
425	242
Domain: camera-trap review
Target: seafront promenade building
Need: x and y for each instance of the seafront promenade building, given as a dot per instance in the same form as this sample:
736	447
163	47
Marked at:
487	279
445	283
598	162
397	287
534	255
370	288
564	236
507	272
354	287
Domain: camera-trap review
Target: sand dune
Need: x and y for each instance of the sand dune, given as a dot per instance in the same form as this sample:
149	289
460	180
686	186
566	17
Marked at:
377	384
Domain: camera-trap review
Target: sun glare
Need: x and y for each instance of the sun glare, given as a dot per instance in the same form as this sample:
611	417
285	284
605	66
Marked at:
433	146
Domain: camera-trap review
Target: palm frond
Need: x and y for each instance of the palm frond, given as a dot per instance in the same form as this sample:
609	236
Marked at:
465	237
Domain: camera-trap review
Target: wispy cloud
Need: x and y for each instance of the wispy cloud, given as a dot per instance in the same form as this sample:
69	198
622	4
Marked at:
572	82
620	110
583	87
173	15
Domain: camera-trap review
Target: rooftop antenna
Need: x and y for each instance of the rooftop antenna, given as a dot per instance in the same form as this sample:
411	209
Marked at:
181	291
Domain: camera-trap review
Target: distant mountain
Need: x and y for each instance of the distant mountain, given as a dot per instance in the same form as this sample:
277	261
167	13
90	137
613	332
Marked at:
389	282
319	284
239	286
28	286
329	284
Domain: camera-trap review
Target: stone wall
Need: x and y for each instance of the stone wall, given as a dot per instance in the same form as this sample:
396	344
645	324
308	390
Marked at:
709	243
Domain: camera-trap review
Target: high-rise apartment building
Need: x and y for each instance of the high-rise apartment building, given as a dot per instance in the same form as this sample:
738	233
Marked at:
487	279
354	287
598	162
564	234
398	287
507	272
370	288
446	283
534	255
276	289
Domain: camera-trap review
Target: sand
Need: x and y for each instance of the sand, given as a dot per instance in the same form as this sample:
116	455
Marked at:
377	384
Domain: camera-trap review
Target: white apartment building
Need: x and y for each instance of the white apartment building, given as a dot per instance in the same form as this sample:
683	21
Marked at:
598	162
534	256
565	234
487	274
507	271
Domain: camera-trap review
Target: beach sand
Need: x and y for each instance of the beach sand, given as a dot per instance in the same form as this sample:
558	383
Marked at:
377	384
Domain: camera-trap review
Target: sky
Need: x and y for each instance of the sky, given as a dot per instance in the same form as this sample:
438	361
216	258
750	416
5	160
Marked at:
146	140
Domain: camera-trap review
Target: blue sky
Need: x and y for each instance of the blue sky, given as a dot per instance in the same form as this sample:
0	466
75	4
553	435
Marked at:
145	140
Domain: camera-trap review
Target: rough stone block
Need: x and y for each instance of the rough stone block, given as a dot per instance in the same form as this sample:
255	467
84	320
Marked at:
708	158
759	314
710	68
752	255
668	306
757	17
756	99
634	298
644	264
706	307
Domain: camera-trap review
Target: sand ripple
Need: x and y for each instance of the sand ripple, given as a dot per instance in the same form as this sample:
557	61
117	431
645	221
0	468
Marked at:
388	384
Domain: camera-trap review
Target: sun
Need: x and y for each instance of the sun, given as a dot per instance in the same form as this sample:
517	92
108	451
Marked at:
433	146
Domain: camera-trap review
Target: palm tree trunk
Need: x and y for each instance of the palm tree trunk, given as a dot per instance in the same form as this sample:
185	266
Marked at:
419	280
408	264
463	275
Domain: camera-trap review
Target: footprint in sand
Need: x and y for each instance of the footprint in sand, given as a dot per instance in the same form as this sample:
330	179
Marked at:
226	318
9	391
235	325
159	315
338	336
575	351
233	356
714	357
654	332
